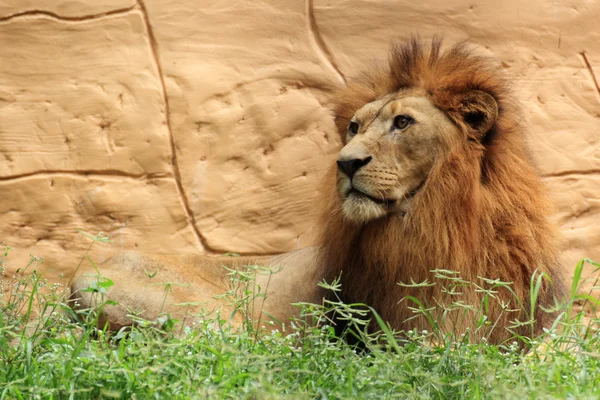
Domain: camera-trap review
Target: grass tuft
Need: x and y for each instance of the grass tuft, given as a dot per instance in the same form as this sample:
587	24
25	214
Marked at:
45	354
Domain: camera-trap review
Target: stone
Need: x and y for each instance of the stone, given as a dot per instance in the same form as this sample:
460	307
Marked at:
178	127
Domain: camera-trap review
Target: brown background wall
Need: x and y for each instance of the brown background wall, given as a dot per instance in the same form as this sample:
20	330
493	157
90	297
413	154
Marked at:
185	125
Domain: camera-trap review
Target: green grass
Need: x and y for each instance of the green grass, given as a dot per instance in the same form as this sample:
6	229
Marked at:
53	357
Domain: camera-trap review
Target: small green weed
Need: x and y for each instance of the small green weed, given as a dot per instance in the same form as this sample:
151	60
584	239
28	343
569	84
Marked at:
45	354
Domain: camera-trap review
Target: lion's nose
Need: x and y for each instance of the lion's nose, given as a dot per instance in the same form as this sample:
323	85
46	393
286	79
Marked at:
349	167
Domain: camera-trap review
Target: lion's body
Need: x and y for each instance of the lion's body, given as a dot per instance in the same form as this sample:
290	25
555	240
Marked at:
449	186
185	285
481	211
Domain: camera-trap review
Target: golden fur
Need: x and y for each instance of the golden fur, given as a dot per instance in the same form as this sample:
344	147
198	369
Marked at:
466	199
196	280
480	212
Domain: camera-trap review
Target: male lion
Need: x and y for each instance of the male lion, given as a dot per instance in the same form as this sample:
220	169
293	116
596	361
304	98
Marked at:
433	175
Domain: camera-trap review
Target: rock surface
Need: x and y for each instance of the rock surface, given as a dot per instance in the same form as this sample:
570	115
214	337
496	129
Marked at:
179	127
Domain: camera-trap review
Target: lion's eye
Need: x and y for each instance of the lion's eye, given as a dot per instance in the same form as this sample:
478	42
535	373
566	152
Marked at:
353	128
402	121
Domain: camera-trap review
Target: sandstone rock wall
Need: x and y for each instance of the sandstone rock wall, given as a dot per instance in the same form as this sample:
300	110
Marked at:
183	126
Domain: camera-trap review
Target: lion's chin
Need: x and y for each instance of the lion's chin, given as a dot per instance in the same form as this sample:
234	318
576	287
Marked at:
362	209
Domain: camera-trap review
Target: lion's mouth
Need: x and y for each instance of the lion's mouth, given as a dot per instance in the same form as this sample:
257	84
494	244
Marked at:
383	201
355	192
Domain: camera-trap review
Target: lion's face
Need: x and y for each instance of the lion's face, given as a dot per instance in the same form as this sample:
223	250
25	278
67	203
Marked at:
390	148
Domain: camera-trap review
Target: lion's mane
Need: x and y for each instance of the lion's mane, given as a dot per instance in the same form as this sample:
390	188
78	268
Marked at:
481	212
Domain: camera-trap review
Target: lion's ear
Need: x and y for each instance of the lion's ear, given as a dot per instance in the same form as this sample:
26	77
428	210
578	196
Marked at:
478	111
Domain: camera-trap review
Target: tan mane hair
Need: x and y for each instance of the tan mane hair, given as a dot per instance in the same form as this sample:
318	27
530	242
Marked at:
481	211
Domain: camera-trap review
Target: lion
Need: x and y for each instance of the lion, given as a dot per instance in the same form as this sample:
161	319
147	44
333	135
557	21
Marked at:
433	179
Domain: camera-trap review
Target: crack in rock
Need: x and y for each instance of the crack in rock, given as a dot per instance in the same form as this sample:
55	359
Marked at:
87	173
317	38
202	242
588	65
559	174
50	14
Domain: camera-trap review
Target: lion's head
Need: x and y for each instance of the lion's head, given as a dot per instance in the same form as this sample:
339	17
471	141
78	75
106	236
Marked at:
434	174
426	112
392	144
